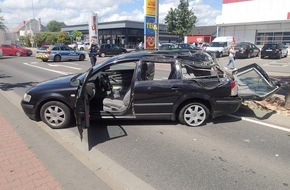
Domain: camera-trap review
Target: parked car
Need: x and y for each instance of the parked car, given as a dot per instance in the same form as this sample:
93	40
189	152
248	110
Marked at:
246	50
81	46
220	46
132	86
274	50
203	45
17	50
59	53
166	46
110	49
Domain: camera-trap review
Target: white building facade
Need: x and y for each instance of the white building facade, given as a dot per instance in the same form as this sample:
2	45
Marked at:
256	21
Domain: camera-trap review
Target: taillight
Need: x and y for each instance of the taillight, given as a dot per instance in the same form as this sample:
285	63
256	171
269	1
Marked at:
234	88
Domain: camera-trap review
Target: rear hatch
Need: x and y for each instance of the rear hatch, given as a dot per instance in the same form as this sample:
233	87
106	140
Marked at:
254	83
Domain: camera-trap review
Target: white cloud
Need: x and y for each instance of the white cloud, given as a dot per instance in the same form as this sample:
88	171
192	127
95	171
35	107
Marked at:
78	11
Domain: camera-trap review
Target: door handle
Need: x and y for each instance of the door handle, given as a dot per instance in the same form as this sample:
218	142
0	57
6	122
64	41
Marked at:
175	89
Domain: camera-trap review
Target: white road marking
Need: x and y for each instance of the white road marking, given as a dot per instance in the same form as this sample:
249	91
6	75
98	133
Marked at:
261	123
56	65
55	71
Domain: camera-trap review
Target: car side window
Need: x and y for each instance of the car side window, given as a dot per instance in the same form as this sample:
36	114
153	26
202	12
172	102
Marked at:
157	71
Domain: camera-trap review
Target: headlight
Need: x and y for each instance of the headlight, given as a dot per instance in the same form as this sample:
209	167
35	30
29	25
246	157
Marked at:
26	97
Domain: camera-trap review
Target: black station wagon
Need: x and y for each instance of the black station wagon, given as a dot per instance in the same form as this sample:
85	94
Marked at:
190	88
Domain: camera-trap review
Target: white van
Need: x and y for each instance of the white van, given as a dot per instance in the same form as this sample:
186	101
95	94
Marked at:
220	45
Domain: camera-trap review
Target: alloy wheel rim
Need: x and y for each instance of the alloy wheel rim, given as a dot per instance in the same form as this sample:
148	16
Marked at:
54	115
194	115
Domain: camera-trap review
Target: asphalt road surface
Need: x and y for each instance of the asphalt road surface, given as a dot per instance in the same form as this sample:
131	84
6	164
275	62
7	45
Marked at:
227	153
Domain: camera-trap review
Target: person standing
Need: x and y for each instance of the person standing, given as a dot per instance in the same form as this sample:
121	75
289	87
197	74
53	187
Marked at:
93	52
232	53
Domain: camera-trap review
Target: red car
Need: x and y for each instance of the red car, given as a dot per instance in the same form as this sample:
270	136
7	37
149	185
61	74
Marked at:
15	50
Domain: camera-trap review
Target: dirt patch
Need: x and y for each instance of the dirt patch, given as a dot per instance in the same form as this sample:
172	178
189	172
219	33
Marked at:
274	103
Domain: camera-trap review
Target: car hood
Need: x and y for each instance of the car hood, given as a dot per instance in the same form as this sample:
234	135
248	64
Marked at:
56	83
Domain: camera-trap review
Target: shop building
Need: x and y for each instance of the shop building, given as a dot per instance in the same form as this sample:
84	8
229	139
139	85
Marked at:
126	33
256	21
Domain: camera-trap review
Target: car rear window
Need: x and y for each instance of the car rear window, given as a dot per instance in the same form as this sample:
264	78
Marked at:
270	46
241	46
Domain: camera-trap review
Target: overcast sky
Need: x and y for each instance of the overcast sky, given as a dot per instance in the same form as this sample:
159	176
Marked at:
78	11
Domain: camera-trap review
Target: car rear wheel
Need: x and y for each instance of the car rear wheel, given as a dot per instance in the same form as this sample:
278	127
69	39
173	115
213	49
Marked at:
55	114
82	57
193	114
57	58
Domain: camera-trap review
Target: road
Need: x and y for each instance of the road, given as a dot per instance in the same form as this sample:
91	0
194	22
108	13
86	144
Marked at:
227	153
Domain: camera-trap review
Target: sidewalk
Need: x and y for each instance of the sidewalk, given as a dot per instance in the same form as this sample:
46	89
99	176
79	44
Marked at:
19	167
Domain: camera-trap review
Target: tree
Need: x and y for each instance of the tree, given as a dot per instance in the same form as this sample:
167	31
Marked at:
2	26
180	20
76	34
51	38
63	37
54	26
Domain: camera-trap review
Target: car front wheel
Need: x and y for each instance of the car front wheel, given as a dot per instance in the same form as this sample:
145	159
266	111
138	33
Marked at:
193	114
55	114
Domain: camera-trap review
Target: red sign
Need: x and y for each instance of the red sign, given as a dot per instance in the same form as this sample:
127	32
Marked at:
150	42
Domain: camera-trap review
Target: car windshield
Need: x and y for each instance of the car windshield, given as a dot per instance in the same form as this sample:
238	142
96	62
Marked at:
219	44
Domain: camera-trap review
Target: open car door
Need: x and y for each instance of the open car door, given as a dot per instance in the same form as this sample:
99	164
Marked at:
82	105
254	83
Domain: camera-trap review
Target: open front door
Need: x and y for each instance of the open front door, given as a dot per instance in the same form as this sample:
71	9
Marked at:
82	106
254	83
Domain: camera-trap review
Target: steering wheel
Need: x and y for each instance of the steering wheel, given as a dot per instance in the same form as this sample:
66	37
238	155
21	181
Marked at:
105	82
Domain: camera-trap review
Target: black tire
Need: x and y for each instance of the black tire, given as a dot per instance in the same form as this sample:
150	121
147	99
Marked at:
57	58
249	55
218	55
44	60
82	57
55	114
193	114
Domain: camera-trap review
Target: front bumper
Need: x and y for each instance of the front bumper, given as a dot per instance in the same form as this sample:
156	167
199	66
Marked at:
30	111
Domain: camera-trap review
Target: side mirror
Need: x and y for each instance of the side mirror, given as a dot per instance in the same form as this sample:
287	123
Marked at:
75	82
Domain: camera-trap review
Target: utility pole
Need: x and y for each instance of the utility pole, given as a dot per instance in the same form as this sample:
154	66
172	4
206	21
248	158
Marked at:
156	25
